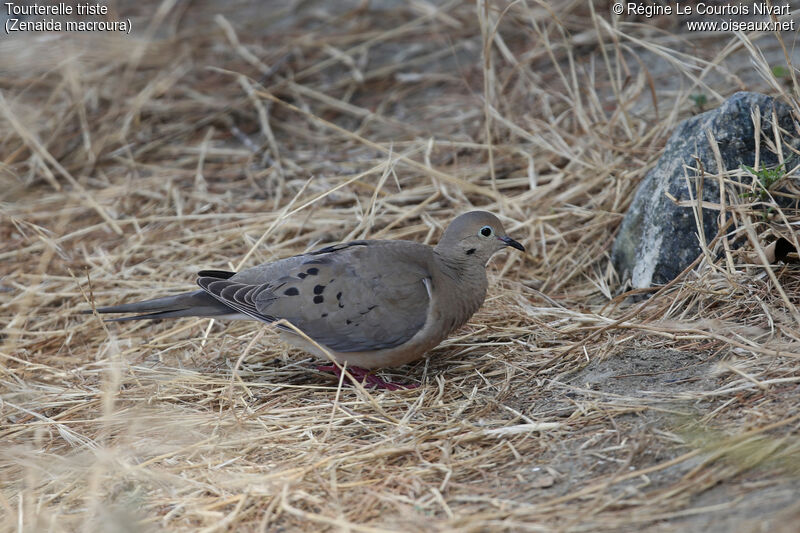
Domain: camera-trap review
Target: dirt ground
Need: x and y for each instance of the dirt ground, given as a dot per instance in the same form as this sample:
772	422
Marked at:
213	138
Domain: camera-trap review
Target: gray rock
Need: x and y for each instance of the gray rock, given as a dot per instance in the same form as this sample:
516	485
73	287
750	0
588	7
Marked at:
658	239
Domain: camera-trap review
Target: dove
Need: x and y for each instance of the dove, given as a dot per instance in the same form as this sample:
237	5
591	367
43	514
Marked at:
366	303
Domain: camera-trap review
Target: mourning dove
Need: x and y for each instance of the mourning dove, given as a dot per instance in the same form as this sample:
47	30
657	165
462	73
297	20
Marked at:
369	304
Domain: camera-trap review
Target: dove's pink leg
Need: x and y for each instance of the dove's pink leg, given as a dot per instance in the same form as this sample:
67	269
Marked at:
367	377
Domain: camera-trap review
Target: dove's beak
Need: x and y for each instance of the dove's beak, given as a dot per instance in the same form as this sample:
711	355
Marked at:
512	243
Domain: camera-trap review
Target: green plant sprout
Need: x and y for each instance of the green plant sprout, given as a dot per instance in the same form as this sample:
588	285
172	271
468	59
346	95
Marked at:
700	100
766	177
780	72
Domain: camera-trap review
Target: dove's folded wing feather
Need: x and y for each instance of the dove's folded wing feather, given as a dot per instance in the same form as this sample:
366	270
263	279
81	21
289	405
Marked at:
360	296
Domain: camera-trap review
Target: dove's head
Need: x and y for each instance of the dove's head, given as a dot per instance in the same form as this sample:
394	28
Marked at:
475	236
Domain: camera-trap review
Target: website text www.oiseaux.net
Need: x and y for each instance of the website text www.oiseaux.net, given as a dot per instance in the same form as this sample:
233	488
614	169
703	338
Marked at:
691	9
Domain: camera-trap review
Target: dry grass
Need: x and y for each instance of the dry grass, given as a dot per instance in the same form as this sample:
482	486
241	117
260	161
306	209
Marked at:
211	142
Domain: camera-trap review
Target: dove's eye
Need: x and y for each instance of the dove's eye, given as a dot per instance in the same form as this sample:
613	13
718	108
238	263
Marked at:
486	231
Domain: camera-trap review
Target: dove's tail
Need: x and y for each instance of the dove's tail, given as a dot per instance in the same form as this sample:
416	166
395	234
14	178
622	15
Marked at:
197	303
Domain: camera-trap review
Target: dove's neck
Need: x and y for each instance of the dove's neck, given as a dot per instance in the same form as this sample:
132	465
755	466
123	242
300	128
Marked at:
461	286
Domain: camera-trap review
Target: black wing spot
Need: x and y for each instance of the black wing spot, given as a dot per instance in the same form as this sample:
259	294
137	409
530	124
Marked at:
318	289
348	322
324	315
326	250
337	247
318	299
219	274
370	308
471	251
292	291
302	275
312	271
339	295
341	305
